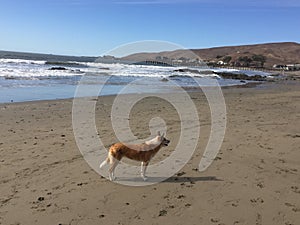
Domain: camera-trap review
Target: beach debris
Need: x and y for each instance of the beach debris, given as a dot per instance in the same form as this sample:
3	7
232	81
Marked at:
295	189
162	212
215	220
181	196
41	199
180	174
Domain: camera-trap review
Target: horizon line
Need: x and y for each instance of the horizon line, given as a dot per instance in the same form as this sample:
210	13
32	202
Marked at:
237	45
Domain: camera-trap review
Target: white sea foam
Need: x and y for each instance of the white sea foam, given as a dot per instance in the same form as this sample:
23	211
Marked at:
37	68
142	70
20	79
22	61
28	72
246	72
31	68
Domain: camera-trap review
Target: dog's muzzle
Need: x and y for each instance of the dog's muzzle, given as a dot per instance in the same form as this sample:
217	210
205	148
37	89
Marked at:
166	142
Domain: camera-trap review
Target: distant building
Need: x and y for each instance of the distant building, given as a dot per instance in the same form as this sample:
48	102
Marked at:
289	67
293	67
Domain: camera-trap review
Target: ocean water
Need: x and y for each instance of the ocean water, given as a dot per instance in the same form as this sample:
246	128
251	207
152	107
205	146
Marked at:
28	80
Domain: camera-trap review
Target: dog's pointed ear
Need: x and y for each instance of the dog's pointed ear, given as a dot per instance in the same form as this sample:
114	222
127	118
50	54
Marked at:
158	133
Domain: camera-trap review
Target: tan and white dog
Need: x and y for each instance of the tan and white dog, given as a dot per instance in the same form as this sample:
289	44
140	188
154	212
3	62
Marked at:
140	152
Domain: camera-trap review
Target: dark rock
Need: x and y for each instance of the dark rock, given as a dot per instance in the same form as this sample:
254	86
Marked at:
57	68
187	70
240	76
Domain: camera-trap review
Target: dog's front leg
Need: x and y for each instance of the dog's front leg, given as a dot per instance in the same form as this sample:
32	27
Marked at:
143	170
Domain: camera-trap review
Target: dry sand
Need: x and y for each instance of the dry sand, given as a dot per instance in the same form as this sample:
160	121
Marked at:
254	179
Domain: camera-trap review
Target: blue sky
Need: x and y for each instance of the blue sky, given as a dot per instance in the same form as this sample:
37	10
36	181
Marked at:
91	27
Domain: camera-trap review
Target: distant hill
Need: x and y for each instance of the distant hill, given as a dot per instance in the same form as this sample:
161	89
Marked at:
44	57
274	53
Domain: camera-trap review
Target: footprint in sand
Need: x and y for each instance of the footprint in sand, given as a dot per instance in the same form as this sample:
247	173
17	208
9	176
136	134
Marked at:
258	219
295	189
180	197
293	135
234	202
215	220
40	204
257	200
162	212
260	184
188	205
294	208
282	160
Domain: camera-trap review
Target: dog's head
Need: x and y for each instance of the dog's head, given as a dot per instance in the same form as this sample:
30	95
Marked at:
163	140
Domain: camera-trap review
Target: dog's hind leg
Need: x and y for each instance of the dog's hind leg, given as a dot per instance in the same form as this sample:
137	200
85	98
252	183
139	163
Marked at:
114	163
106	161
143	170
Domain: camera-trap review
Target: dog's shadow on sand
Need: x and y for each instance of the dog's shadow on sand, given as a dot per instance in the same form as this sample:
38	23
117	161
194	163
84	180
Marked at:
176	179
185	179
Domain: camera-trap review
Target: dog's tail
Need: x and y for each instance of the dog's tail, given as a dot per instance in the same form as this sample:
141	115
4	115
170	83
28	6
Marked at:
106	161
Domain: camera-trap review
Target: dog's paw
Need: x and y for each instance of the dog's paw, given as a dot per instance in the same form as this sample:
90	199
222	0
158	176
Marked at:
145	178
112	178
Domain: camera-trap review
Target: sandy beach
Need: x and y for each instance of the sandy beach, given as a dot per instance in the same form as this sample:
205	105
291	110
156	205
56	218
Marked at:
254	179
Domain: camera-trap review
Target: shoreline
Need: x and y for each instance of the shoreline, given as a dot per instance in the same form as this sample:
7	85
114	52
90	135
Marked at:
253	180
188	89
258	84
60	84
